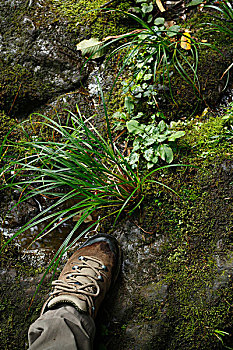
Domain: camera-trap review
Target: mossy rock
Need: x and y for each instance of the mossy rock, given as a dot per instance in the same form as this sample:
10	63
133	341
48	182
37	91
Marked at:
38	58
86	18
18	283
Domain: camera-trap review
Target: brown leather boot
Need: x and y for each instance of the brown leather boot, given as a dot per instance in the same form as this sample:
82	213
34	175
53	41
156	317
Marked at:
87	276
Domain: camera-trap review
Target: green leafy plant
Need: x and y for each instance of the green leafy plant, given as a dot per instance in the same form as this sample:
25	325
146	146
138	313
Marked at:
80	171
145	9
153	52
120	118
152	142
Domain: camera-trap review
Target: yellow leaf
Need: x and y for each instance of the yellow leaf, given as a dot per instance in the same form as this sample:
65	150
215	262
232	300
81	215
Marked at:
160	6
186	41
206	110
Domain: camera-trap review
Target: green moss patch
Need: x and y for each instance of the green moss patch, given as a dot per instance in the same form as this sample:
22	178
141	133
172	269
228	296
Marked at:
196	260
85	18
18	283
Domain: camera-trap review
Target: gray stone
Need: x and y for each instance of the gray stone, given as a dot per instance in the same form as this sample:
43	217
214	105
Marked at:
42	55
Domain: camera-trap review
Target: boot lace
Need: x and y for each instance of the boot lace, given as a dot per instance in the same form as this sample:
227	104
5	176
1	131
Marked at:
87	289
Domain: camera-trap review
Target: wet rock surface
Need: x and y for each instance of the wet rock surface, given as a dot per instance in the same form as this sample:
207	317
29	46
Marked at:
38	58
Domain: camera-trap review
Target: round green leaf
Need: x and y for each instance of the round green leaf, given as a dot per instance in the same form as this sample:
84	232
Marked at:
155	160
134	126
173	30
166	153
159	21
149	19
147	8
162	126
150	165
195	2
129	105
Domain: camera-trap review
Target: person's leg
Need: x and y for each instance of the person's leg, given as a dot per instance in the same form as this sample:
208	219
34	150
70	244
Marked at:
67	317
63	328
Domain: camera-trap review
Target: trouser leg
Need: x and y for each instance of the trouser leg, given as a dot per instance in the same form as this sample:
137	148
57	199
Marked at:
62	329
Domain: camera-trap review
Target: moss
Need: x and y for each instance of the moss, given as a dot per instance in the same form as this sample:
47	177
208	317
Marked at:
21	90
197	230
16	292
83	18
6	124
204	132
186	102
198	24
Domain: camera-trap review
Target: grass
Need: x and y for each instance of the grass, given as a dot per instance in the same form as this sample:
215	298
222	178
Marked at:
225	11
80	172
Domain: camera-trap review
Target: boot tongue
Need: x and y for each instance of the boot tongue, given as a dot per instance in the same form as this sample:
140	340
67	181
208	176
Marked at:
84	277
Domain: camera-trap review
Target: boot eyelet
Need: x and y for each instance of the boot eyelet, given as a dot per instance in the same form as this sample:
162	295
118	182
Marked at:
100	278
104	267
81	258
78	283
75	267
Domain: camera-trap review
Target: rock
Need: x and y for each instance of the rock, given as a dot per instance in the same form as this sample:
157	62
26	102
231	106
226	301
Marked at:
142	335
225	271
154	292
38	59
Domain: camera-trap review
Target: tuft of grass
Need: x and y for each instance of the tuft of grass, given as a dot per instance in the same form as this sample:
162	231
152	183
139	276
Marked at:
80	171
225	10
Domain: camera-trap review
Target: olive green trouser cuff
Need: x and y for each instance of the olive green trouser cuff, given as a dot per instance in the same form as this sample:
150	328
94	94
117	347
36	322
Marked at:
62	329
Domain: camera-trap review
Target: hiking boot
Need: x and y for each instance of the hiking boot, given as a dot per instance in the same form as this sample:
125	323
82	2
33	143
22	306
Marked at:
87	276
